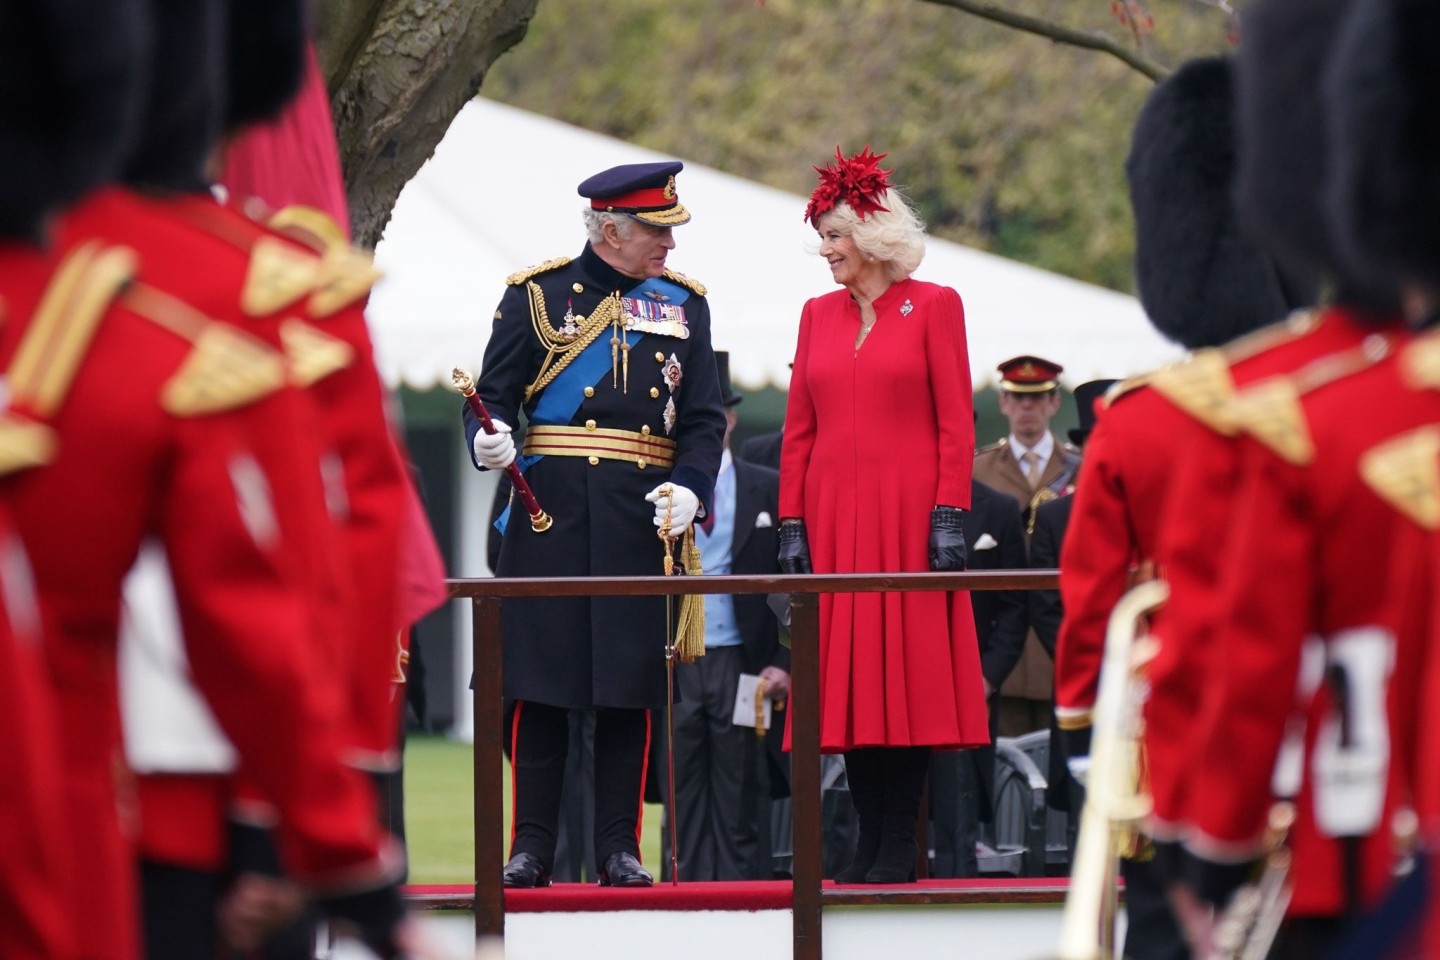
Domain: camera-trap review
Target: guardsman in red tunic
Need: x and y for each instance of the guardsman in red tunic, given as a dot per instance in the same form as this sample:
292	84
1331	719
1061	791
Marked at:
1306	648
59	126
1180	169
33	913
1379	91
234	270
175	406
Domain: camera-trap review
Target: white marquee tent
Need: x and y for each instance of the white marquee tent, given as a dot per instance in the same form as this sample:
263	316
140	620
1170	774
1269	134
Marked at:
499	194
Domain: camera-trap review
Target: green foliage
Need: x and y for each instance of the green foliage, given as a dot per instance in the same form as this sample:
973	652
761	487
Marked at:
1006	141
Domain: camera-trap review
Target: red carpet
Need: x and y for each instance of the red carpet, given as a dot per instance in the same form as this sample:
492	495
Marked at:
746	895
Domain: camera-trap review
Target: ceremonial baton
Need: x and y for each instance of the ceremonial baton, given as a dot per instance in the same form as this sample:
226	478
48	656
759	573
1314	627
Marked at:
540	521
672	644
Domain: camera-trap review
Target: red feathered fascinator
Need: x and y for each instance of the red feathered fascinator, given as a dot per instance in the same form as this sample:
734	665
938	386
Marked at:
857	181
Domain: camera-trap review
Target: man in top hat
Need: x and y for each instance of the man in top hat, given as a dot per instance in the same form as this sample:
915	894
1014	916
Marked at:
608	357
722	775
1033	466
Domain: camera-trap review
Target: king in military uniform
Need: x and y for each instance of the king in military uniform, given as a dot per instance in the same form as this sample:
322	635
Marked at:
609	358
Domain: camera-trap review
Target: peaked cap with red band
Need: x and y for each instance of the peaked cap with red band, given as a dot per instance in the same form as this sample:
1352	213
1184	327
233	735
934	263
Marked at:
857	182
641	191
1027	374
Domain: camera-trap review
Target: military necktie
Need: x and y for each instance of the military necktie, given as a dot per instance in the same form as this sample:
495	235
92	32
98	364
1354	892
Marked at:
1032	467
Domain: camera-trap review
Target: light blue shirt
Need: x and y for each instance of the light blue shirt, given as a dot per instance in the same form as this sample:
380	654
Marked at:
721	630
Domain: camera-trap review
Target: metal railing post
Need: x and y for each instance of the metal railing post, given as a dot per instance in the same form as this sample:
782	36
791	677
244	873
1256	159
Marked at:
808	865
488	758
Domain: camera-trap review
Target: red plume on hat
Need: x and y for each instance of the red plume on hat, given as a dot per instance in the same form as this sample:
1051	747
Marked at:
857	181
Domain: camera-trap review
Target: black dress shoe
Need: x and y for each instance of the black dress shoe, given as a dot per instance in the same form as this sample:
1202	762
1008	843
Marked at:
525	870
623	870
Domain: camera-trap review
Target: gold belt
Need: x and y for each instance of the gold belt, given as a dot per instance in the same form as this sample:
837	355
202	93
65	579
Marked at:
598	444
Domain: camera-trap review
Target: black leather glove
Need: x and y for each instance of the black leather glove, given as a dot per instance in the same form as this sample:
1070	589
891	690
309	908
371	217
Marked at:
374	916
794	547
947	539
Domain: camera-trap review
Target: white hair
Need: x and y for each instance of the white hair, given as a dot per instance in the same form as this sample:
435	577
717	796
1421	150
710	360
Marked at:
595	221
895	236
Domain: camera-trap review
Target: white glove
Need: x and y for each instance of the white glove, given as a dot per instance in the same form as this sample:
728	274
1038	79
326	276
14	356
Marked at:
681	505
495	451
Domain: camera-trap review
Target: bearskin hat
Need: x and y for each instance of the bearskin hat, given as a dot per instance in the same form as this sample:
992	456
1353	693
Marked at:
1281	179
183	107
71	79
267	45
1201	281
1384	188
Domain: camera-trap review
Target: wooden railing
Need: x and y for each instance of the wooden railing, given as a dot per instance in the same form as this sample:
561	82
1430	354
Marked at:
804	591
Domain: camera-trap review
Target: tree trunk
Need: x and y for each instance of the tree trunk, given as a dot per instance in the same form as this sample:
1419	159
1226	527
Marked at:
398	72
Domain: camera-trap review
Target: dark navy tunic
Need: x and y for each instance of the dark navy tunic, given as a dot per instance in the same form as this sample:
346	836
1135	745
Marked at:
601	651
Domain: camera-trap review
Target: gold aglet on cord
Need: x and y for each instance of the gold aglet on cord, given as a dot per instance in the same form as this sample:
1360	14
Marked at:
689	641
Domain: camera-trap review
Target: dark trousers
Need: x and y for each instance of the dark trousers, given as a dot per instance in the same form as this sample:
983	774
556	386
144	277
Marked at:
540	739
178	911
575	843
955	812
1151	931
719	777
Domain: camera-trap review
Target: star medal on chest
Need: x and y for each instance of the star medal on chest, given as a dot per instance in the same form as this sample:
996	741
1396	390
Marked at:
570	327
672	373
905	308
669	416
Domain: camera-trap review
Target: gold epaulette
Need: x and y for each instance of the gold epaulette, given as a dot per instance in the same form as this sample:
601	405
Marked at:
1405	472
694	285
520	276
1126	386
1420	362
45	365
1000	444
346	273
1270	412
1201	386
24	444
279	276
313	354
1298	324
86	283
226	369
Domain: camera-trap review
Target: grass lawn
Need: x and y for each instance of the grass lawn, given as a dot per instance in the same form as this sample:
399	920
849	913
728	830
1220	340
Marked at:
439	818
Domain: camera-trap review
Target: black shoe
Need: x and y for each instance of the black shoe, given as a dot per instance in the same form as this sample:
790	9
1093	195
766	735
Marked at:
525	870
867	847
623	870
895	863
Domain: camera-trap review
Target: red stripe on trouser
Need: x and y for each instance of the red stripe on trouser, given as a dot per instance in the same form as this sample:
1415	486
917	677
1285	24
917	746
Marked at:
514	778
644	769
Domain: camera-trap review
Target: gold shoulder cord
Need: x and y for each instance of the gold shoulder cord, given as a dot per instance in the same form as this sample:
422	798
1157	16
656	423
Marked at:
559	353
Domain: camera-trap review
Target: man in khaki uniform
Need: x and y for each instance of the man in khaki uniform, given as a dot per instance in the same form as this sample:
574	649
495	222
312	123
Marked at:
1032	466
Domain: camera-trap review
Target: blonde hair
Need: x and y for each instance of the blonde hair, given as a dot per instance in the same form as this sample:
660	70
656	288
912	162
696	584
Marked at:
895	236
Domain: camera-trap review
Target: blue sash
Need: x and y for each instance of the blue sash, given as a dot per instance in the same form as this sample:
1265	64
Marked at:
559	401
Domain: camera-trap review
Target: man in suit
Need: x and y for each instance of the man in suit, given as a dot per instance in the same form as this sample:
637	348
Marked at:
1032	466
961	782
764	449
722	775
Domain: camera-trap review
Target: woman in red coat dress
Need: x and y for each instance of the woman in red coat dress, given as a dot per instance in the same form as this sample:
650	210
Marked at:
875	478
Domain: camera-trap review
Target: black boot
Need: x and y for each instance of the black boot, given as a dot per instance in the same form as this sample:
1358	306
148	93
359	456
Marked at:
867	792
904	770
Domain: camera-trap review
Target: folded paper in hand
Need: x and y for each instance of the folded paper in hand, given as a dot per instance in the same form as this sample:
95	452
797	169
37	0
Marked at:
745	690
